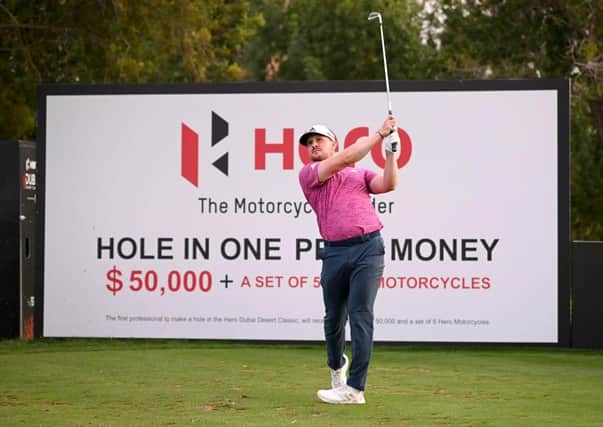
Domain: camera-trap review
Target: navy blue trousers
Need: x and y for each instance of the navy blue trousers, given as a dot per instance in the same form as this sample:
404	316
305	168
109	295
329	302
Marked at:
350	279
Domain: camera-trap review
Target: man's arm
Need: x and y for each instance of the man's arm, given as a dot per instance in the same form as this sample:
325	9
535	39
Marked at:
355	152
389	180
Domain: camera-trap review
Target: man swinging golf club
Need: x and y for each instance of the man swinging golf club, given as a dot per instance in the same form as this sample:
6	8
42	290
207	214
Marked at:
353	256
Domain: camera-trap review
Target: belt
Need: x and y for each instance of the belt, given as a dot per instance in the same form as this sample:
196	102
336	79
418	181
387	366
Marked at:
353	240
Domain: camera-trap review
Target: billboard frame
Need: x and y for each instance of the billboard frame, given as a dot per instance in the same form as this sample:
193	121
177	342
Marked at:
561	86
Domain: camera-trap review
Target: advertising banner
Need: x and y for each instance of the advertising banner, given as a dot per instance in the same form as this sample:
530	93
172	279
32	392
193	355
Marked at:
176	211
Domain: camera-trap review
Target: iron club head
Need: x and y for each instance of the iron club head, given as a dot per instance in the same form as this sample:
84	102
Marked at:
374	15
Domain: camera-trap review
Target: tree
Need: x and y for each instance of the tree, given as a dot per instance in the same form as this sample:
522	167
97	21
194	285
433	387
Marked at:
335	41
114	41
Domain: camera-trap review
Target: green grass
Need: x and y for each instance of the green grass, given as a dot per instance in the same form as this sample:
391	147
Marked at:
181	383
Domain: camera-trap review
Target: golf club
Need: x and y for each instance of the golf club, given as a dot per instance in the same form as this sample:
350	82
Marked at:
394	138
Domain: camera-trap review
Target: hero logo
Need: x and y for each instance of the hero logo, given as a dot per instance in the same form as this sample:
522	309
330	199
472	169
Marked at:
189	146
284	148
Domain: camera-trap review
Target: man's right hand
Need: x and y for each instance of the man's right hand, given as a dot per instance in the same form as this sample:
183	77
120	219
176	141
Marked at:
388	126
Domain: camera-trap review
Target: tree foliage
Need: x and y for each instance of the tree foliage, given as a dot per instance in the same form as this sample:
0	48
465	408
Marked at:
114	41
333	40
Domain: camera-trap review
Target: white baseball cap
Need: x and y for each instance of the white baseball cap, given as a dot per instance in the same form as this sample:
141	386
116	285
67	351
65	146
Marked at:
317	130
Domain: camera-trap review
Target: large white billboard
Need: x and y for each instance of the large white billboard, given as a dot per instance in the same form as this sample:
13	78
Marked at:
176	211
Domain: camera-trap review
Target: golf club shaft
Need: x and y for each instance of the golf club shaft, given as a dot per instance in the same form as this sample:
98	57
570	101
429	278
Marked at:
389	101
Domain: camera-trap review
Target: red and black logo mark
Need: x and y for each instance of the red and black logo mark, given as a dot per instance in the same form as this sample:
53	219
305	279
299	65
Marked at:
189	162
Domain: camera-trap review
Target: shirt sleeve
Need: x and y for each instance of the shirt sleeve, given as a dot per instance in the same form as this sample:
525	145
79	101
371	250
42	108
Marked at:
368	177
308	176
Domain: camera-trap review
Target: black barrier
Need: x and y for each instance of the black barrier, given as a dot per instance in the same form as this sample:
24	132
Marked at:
587	294
9	237
18	175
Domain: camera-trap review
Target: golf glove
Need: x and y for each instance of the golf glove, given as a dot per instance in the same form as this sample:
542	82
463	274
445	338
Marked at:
392	142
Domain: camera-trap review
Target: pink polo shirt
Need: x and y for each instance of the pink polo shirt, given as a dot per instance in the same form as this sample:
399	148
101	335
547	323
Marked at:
342	203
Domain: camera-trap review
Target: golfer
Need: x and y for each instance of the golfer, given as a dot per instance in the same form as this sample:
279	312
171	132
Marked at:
352	259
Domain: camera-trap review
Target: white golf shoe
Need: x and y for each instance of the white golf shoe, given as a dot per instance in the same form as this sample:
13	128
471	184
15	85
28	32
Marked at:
339	376
342	395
